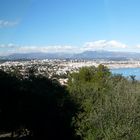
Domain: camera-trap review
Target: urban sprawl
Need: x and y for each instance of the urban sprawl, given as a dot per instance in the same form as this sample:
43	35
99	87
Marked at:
58	68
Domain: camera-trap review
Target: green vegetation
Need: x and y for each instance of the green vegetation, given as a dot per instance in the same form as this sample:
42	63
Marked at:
35	104
95	105
108	105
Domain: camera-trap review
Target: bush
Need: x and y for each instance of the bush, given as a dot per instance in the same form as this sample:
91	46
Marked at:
108	105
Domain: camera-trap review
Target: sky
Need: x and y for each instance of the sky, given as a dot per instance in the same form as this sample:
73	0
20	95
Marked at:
69	25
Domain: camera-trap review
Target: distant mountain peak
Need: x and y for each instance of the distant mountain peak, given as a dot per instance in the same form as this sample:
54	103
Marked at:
101	54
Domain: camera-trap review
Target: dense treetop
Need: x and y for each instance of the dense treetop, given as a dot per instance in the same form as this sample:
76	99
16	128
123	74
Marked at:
95	105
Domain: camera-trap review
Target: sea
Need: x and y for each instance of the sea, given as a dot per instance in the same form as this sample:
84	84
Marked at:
127	72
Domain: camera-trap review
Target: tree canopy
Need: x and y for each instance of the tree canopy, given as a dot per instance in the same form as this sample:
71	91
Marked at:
108	105
37	104
94	105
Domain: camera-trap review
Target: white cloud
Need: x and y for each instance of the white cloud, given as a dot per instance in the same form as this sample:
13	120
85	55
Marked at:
12	48
104	44
6	23
95	45
138	46
111	45
10	45
116	44
47	49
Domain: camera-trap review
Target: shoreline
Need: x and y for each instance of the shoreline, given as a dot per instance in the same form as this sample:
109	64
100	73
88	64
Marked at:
122	66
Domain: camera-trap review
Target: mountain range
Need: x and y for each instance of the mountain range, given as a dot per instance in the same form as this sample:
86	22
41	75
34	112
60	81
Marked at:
84	55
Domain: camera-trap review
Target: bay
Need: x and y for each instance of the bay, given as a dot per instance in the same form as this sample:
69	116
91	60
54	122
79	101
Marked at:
127	72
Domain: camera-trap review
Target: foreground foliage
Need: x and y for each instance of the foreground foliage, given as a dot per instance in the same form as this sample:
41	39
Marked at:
95	105
108	105
36	105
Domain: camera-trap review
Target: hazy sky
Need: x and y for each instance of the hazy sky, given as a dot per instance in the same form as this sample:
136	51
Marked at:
69	25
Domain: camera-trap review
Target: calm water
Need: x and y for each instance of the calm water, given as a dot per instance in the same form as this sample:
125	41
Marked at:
127	72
